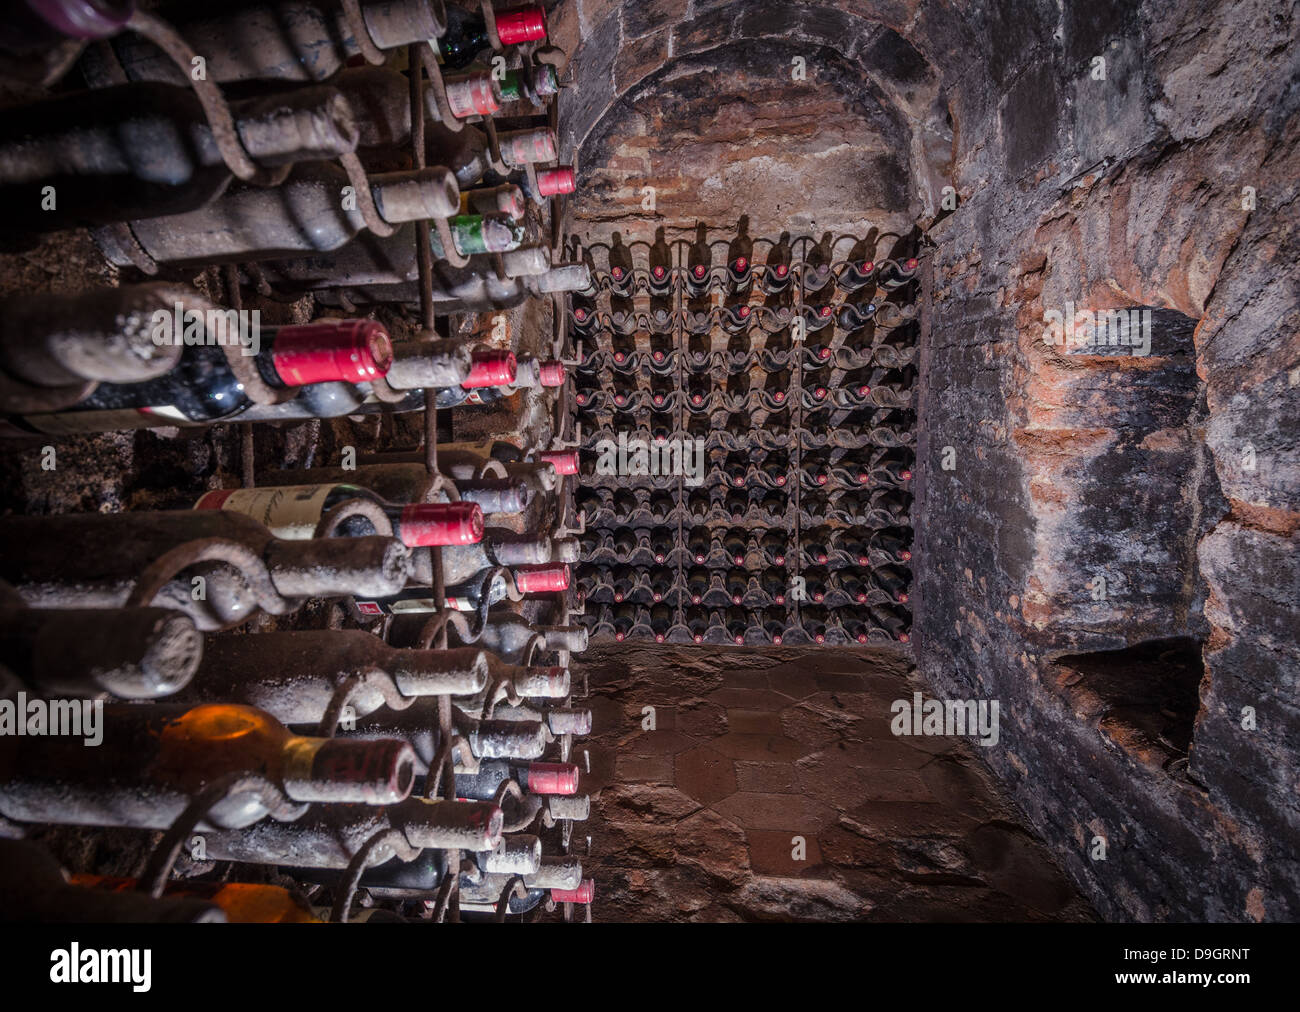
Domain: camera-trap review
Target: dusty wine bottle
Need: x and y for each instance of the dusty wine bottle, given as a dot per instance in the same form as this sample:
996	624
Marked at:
204	387
159	756
295	512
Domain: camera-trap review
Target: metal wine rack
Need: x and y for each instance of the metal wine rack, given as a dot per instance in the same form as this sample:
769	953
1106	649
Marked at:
792	363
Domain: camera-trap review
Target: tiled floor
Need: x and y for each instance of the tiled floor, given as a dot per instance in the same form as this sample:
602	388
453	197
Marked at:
769	787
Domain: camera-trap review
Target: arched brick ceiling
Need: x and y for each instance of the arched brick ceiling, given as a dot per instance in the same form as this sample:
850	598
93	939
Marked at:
718	136
625	56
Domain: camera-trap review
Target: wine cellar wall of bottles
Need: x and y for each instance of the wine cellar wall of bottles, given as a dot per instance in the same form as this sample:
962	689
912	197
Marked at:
399	745
792	363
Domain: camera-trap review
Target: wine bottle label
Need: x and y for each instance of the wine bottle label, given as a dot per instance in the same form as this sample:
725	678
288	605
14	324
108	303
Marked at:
289	511
412	605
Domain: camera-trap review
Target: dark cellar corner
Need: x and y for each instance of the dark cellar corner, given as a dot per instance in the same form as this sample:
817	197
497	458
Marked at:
674	461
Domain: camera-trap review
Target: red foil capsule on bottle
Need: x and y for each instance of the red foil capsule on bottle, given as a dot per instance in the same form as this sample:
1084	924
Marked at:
542	579
491	369
527	146
564	461
521	24
429	524
585	893
552	373
553	182
354	351
474	95
552	778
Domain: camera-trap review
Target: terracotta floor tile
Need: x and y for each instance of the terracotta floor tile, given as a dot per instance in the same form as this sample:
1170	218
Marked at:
753	721
766	778
705	775
771	853
644	768
759	747
793	812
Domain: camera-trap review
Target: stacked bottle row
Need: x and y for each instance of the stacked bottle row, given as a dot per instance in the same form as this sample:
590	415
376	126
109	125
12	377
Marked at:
736	412
750	626
314	751
396	156
88	363
299	171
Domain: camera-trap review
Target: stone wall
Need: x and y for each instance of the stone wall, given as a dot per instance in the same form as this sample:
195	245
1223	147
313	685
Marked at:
1107	155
